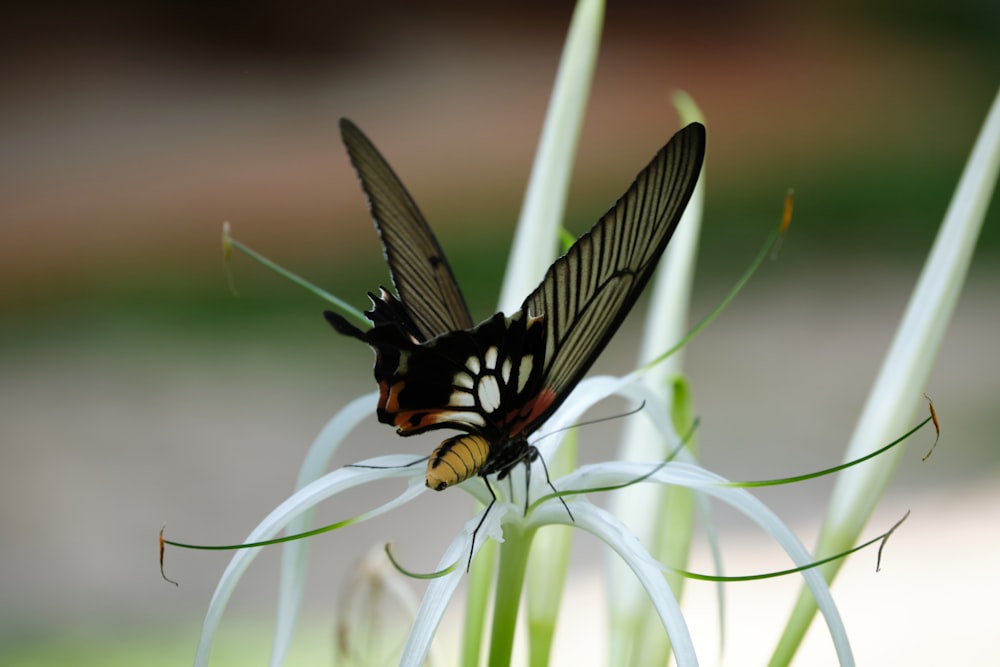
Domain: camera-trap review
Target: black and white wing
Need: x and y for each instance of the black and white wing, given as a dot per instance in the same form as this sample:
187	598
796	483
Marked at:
586	294
420	272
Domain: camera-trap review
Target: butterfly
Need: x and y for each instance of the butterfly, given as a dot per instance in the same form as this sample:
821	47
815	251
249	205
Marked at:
498	381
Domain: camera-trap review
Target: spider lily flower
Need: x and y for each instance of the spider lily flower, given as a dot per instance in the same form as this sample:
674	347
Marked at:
505	521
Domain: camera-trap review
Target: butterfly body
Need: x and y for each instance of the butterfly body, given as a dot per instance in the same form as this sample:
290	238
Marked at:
497	382
484	381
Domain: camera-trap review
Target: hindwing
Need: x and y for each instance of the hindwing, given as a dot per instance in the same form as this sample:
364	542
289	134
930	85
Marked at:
487	379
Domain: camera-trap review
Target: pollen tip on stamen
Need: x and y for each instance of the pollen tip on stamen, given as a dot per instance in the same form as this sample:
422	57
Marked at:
937	426
885	538
786	221
162	551
786	216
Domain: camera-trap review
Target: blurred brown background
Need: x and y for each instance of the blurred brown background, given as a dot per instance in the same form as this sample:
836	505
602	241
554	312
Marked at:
134	389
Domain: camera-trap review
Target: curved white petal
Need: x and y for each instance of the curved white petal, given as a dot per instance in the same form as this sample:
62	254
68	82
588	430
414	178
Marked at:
293	557
648	571
441	590
301	501
697	478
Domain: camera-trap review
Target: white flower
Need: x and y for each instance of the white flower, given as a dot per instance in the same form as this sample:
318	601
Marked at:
507	523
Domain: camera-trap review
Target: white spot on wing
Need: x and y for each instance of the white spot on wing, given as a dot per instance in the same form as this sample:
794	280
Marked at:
489	393
463	380
472	363
505	370
462	399
491	357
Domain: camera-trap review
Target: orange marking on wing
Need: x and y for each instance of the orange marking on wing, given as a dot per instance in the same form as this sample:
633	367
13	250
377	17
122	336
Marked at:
389	396
529	412
411	420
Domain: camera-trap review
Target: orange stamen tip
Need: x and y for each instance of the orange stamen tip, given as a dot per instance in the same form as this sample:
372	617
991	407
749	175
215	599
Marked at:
786	216
937	426
162	550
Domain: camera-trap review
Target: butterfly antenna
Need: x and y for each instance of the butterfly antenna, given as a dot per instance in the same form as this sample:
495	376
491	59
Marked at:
405	465
598	420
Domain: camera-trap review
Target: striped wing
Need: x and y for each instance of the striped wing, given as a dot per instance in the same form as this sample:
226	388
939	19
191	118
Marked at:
587	292
419	269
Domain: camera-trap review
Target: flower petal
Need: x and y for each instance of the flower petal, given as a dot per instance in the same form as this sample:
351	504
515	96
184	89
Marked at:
442	589
293	559
697	478
301	501
616	535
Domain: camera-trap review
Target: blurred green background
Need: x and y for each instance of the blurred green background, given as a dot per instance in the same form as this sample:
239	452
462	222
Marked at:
135	390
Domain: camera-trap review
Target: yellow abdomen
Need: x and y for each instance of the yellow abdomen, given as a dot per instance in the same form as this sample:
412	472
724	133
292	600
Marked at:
456	460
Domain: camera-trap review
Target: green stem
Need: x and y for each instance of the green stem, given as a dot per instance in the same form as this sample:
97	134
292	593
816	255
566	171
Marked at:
510	584
347	309
480	580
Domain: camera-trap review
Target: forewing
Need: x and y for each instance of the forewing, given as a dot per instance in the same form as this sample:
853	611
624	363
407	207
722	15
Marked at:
419	270
587	292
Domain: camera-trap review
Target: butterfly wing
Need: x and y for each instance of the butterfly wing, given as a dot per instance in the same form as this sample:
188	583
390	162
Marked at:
479	380
586	294
419	269
505	376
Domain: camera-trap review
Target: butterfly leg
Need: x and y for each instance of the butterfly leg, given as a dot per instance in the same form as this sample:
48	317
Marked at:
472	547
533	454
